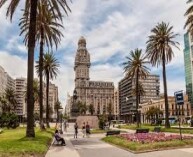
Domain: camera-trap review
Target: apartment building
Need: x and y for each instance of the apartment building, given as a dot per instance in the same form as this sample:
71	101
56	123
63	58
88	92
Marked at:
127	98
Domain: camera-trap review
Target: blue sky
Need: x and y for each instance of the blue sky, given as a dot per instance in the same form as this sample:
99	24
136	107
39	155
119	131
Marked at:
112	29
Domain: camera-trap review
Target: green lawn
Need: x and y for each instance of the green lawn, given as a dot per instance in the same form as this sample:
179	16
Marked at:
14	143
151	128
139	147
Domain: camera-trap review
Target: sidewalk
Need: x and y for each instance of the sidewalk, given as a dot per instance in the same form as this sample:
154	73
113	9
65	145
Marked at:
63	151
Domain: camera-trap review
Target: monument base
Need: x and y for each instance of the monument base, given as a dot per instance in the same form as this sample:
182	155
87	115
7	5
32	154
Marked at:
92	121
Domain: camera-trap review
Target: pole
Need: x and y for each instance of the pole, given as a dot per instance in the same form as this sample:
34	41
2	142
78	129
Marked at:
179	123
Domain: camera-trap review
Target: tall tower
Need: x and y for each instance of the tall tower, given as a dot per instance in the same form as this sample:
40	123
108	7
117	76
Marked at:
81	68
188	63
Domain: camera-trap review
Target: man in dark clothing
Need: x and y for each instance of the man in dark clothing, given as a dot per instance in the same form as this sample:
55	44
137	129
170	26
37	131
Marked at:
59	138
87	129
75	130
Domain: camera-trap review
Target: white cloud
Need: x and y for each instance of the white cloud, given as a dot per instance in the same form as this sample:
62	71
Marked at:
110	27
14	65
13	44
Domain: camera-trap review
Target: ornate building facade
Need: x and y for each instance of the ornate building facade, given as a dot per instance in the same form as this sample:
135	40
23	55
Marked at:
174	110
98	93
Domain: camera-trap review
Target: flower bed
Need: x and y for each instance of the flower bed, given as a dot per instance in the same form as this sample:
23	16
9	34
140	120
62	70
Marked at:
152	137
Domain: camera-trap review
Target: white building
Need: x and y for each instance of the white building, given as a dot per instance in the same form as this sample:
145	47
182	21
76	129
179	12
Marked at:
98	93
68	105
6	81
20	91
2	80
116	104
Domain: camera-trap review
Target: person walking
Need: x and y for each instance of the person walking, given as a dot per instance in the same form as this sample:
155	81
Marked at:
65	126
87	129
84	130
75	130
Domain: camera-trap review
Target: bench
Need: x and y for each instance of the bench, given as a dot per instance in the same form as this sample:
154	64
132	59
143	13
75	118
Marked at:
113	132
142	130
157	129
56	142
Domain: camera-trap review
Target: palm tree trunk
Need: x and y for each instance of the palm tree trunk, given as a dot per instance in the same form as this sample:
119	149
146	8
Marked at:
167	124
30	73
137	98
41	81
47	100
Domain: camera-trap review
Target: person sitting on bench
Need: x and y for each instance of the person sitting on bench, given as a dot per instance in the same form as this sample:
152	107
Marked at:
59	138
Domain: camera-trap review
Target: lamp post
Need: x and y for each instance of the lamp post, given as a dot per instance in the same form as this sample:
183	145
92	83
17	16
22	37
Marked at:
60	110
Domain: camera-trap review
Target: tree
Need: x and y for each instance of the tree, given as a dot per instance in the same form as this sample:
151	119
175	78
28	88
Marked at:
50	71
47	32
141	91
109	110
82	108
57	106
153	113
36	91
8	101
91	109
4	104
31	9
159	51
189	15
135	68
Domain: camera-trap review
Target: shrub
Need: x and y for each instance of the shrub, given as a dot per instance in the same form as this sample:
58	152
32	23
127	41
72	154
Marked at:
9	120
102	121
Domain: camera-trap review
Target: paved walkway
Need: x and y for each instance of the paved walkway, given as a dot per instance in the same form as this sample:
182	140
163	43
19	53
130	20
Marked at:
94	147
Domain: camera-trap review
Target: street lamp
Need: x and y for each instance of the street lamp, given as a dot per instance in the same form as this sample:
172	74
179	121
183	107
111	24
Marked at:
60	110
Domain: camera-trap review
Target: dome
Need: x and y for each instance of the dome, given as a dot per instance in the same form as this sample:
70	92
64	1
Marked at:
82	40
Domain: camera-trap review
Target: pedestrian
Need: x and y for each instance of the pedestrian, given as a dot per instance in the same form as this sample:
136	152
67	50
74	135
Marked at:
87	129
84	130
75	130
59	138
65	126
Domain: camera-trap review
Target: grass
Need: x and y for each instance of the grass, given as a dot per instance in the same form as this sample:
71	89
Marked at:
151	128
139	147
14	143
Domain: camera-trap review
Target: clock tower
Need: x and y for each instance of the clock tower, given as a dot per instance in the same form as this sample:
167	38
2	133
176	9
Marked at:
81	68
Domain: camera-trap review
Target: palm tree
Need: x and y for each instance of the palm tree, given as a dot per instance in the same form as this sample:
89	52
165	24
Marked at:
57	106
141	91
31	9
135	68
11	99
36	91
50	71
47	32
189	15
159	51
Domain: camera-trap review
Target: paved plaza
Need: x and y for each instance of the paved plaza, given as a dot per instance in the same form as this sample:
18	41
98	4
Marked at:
94	147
